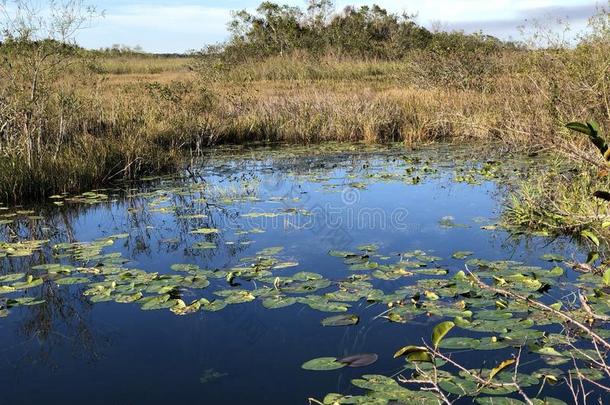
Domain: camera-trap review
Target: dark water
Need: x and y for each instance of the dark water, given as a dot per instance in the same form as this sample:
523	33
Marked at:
69	350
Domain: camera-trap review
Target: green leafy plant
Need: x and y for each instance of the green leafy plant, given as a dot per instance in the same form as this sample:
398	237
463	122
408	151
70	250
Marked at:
592	130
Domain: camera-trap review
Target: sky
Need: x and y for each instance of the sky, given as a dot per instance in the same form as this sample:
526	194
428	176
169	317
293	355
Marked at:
182	25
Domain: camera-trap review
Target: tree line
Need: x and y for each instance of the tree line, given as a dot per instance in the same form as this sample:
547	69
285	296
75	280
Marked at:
369	32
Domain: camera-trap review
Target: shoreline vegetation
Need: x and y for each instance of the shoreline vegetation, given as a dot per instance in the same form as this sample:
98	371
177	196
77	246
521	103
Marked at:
73	119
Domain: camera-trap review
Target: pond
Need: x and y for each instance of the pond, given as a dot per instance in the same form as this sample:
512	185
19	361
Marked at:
222	283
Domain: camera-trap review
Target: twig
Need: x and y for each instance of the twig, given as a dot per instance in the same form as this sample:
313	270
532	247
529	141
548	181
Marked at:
585	305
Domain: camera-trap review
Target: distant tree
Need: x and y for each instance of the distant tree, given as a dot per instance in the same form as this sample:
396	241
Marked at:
362	32
274	29
319	13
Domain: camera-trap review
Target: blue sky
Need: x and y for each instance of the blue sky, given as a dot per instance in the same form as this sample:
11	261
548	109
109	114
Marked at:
177	26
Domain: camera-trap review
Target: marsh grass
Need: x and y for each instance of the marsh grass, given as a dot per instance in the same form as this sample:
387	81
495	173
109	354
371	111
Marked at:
134	120
559	202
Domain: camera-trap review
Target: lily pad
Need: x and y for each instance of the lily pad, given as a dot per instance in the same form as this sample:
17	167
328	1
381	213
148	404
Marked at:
341	320
462	254
323	364
359	360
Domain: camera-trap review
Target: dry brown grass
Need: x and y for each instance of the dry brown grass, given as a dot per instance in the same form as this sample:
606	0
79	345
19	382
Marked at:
134	64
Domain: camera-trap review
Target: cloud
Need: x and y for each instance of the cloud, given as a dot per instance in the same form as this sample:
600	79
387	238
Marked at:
496	17
581	12
576	15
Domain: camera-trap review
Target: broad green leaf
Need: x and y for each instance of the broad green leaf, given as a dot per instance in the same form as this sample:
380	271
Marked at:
591	236
154	302
414	353
579	127
550	257
278	302
439	332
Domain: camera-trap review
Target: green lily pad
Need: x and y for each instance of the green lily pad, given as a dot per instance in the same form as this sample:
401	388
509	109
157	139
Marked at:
341	320
323	364
205	231
459	343
550	257
71	280
462	254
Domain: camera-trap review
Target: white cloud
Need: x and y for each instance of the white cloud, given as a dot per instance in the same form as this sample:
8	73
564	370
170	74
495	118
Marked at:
468	10
496	17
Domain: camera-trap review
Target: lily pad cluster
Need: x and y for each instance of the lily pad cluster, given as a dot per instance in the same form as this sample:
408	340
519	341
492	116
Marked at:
480	318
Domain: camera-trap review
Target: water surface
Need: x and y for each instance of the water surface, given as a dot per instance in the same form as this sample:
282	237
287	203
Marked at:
308	202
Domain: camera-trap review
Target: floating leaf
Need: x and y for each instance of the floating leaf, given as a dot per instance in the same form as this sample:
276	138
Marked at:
459	386
285	265
204	245
71	280
214	306
549	351
462	254
549	257
205	231
359	360
323	364
278	302
180	308
155	302
341	320
11	277
459	343
372	247
499	401
272	251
